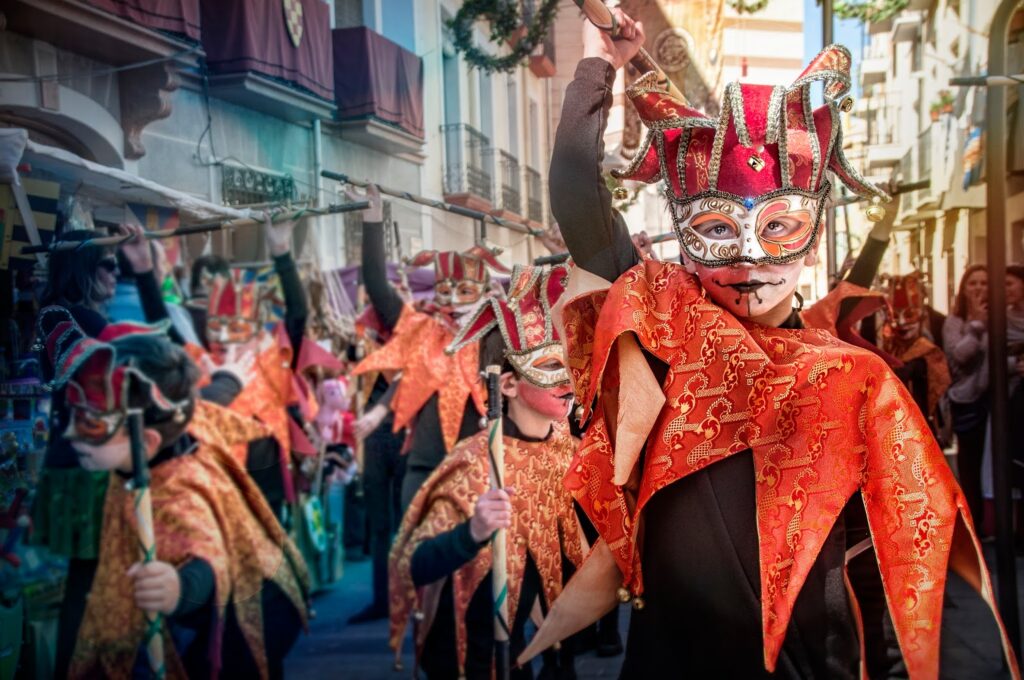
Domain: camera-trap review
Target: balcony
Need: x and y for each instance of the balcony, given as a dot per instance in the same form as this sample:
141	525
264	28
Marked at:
883	155
534	197
906	26
467	172
378	86
873	70
510	195
258	60
542	61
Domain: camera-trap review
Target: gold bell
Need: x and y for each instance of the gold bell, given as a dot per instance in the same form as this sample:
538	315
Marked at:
846	105
756	163
875	212
620	193
623	595
579	413
638	603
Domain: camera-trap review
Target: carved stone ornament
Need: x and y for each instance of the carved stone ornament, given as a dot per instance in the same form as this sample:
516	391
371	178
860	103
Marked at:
145	95
672	49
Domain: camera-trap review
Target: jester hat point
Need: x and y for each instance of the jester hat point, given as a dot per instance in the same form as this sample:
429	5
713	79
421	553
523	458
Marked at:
524	320
767	143
95	379
451	265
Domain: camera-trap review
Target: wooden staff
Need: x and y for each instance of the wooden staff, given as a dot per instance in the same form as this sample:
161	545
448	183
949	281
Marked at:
599	15
521	227
499	550
198	228
153	637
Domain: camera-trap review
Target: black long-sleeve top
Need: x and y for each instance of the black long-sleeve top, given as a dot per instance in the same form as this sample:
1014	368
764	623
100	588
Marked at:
700	544
426	450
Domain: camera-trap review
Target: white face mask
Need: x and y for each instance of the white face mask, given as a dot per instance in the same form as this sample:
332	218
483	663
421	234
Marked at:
717	231
114	454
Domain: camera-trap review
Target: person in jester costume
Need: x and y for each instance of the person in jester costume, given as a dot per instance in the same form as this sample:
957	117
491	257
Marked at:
439	396
727	442
441	563
231	585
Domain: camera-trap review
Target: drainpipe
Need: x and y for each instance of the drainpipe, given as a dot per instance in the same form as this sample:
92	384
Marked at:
995	166
318	181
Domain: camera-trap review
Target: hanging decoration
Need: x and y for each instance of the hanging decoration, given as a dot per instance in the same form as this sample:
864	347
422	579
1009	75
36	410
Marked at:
743	7
506	20
872	11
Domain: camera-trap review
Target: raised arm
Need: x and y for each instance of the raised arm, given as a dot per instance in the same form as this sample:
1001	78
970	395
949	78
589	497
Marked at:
595	234
296	310
383	296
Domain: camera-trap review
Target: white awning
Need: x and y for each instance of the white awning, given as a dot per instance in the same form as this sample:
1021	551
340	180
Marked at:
111	186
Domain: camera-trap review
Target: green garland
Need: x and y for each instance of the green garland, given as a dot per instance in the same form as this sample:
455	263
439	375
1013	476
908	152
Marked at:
504	17
742	7
871	11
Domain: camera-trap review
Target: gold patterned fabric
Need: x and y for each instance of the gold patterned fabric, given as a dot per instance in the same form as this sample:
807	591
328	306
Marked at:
823	419
544	527
417	349
205	506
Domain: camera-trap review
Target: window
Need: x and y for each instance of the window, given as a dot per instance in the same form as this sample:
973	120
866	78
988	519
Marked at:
534	132
513	116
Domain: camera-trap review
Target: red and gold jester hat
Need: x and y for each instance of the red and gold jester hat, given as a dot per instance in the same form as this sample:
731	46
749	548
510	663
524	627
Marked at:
100	389
453	269
233	308
765	156
906	300
532	344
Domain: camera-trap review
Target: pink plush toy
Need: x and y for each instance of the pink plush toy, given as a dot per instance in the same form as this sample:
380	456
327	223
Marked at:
334	420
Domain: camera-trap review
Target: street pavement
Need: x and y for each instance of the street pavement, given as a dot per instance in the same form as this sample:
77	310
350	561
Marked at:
334	649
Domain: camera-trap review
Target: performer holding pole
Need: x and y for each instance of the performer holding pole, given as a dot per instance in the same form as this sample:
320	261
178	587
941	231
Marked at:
499	570
486	537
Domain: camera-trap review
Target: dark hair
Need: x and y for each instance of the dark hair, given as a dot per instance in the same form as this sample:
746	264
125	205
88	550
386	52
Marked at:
215	264
171	370
960	305
1016	271
71	275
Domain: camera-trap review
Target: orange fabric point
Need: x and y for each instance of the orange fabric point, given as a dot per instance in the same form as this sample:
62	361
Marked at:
824	419
417	349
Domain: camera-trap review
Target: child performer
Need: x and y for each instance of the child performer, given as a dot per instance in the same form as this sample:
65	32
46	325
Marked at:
441	563
229	581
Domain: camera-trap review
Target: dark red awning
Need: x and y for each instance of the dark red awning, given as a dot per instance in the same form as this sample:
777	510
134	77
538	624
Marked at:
252	36
174	16
376	77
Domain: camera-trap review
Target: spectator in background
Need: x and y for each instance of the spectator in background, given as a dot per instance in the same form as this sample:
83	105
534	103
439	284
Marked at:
83	280
127	302
965	340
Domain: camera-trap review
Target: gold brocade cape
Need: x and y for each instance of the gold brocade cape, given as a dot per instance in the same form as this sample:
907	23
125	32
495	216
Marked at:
205	506
544	525
417	349
823	418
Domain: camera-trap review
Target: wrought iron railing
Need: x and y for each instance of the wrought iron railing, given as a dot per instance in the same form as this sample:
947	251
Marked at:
511	191
534	196
468	161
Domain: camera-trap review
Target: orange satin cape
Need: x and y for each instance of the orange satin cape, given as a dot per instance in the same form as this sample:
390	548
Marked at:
823	418
417	349
205	506
266	398
543	525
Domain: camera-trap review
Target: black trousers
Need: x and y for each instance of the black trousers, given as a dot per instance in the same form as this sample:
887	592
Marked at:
970	422
383	471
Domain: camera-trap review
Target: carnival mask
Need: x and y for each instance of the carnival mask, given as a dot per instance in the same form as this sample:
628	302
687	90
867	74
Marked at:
453	293
779	228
